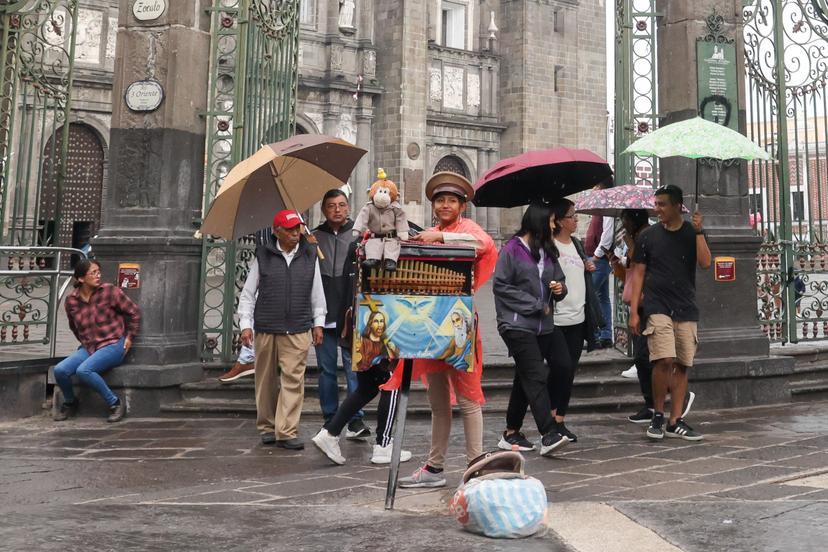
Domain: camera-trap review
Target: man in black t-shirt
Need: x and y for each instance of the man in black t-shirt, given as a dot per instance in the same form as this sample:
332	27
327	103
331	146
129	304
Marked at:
666	256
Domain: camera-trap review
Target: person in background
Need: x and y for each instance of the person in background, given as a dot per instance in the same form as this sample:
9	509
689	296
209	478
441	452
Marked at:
665	260
528	279
578	316
283	300
598	245
105	321
334	240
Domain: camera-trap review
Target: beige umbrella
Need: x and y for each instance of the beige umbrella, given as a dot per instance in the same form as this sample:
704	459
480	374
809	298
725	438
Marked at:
291	174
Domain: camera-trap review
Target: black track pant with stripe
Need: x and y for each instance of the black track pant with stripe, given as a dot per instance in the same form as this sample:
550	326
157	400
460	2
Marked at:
368	388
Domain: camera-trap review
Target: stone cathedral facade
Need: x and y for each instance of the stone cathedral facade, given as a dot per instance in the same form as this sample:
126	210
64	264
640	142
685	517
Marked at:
424	85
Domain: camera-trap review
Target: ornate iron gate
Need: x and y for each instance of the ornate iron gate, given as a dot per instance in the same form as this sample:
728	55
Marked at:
253	72
786	59
37	56
636	112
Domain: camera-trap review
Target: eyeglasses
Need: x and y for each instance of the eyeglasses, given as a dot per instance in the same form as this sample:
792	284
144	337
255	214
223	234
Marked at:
335	206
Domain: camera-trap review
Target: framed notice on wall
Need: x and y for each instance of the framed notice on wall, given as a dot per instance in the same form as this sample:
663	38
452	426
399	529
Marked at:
716	72
129	275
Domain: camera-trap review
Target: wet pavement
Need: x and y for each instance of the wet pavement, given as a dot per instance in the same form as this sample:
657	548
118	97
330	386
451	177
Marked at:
759	481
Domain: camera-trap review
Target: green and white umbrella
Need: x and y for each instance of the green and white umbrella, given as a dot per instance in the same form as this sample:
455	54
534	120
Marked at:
697	139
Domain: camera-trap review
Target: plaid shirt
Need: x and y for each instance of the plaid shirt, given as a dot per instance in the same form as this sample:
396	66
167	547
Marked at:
108	316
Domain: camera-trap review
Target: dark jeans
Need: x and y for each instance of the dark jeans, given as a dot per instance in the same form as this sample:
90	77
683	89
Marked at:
568	349
641	356
532	376
600	279
368	388
326	354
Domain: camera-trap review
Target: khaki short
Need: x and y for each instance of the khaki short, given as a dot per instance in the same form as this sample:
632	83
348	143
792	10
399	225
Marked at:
668	338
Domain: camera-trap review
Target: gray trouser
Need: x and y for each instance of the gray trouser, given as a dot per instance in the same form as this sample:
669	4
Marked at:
382	248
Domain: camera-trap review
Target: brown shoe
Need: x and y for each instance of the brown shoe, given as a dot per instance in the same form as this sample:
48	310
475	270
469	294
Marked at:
238	371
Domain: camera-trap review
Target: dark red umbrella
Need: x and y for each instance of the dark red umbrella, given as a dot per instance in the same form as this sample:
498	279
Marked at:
540	176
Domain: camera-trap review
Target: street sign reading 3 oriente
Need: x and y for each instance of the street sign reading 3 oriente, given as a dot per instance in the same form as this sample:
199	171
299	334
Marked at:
144	95
148	10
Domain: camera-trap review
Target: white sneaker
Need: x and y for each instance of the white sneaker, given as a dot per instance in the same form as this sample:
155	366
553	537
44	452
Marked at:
423	478
329	445
691	397
631	372
382	454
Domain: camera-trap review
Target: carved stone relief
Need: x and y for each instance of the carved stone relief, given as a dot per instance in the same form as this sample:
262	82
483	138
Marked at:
88	37
436	84
369	63
453	87
111	38
336	56
317	120
473	91
346	130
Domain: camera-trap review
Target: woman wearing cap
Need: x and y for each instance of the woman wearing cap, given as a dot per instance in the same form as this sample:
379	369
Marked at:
449	194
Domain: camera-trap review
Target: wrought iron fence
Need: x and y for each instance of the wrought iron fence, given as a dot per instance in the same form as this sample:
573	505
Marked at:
786	60
253	80
32	284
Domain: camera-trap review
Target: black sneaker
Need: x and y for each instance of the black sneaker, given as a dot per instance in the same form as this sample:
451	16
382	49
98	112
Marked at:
357	430
516	439
551	442
568	435
656	429
643	416
681	430
67	410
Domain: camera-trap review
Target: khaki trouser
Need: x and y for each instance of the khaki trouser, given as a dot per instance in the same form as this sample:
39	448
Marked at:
280	382
440	401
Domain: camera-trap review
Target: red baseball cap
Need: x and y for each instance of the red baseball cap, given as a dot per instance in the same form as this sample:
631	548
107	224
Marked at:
287	219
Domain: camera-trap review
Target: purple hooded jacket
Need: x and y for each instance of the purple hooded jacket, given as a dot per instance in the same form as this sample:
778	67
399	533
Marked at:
521	293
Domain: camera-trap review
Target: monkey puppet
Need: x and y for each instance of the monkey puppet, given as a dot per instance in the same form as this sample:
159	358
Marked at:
384	219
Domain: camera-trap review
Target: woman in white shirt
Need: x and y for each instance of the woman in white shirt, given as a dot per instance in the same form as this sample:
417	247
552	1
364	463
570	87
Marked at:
578	316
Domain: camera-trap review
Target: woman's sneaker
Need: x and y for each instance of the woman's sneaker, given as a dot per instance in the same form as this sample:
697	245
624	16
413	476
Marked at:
681	430
643	416
382	454
329	445
516	439
551	442
423	478
656	429
568	435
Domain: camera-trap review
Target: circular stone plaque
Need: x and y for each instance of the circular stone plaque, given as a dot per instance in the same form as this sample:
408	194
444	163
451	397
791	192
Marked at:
413	151
148	10
144	95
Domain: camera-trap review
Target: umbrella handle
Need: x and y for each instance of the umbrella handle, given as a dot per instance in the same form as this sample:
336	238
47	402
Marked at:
318	250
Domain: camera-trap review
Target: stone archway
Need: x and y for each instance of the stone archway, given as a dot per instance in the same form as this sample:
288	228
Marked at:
452	163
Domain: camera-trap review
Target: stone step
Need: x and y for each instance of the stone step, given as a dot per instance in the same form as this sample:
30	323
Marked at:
809	390
585	386
623	404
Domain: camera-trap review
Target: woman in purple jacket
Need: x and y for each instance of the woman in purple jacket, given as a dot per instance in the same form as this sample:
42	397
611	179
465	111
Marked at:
526	281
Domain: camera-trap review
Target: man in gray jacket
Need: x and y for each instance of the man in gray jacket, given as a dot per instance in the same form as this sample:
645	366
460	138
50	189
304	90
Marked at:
334	239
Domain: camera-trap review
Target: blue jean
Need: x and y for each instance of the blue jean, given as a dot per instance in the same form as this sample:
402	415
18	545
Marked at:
89	369
600	280
326	357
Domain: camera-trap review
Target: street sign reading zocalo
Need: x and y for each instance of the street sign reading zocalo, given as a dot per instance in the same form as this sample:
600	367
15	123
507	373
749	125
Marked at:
148	10
144	95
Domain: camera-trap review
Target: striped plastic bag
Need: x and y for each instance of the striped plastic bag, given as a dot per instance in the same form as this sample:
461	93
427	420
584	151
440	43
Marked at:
500	504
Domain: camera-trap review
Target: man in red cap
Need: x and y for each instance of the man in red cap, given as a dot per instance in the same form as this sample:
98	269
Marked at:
284	302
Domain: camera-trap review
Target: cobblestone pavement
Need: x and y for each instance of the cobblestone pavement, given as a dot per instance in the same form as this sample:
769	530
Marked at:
759	481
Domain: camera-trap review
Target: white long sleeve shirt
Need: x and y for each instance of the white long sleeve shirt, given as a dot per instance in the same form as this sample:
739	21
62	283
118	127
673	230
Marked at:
607	235
247	299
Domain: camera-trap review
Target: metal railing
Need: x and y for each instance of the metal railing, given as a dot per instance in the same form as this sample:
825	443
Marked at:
32	284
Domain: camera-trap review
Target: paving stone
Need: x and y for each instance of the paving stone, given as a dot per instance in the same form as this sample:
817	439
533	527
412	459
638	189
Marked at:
614	451
590	492
765	492
621	465
704	466
690	451
636	479
221	497
748	475
308	486
768	454
123	443
133	453
814	460
668	491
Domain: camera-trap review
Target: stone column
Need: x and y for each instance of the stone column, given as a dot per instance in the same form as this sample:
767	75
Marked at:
733	364
156	177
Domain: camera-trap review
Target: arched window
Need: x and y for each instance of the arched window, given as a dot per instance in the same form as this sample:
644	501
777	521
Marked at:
452	163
